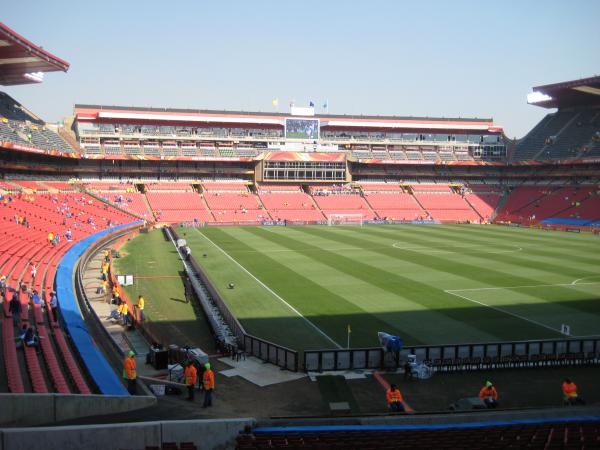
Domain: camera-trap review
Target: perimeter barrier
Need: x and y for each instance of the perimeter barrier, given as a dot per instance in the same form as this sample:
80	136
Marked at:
459	357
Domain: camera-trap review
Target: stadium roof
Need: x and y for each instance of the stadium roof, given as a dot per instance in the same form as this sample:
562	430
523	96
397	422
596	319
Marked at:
197	116
22	62
568	94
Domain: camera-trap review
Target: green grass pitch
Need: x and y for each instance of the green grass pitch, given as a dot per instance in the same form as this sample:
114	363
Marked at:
302	286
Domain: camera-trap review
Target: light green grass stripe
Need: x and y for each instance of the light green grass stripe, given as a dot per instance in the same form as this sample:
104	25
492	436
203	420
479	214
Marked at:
364	293
487	319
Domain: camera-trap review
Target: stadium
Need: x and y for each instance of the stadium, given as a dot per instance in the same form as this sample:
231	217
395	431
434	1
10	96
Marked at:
312	259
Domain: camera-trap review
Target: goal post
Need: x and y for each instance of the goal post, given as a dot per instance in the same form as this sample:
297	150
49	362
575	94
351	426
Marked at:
345	219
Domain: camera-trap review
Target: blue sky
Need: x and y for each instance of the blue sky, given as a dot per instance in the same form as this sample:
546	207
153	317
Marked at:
436	58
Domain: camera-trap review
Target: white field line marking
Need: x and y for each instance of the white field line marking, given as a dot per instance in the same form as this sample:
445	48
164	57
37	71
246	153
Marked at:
503	311
584	278
272	292
286	250
480	248
520	287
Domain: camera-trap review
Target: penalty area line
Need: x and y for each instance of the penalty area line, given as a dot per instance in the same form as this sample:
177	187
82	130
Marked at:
535	322
281	299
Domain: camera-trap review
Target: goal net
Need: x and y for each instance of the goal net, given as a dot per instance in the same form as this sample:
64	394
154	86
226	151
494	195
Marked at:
345	219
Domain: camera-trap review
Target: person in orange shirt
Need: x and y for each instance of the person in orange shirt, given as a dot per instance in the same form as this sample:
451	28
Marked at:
208	384
570	396
190	375
394	399
130	372
489	395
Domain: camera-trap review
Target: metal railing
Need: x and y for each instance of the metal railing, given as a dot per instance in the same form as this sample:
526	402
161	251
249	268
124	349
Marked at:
456	357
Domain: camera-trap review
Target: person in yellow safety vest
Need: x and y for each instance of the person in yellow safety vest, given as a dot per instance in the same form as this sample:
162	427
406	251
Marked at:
394	399
124	313
102	289
208	384
106	255
116	293
140	305
105	268
130	372
50	237
190	376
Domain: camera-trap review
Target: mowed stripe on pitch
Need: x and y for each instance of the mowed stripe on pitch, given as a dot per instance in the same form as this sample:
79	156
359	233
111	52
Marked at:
334	284
329	311
486	320
575	256
547	273
529	304
493	269
421	276
261	313
388	305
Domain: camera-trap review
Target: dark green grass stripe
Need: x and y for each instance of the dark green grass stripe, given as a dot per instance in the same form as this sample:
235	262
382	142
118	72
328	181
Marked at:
330	312
456	267
486	319
446	238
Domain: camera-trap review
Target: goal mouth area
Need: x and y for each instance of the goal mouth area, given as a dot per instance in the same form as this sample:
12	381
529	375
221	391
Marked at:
345	219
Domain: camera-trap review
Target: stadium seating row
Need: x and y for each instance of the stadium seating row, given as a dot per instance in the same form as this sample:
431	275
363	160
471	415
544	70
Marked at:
532	434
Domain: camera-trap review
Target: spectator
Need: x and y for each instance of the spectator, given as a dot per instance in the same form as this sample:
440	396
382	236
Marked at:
31	338
35	298
190	375
394	399
54	305
14	307
3	285
130	372
116	313
570	396
408	372
20	338
489	395
208	384
33	272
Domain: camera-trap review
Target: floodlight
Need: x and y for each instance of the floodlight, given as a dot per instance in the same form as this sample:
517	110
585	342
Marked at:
538	97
